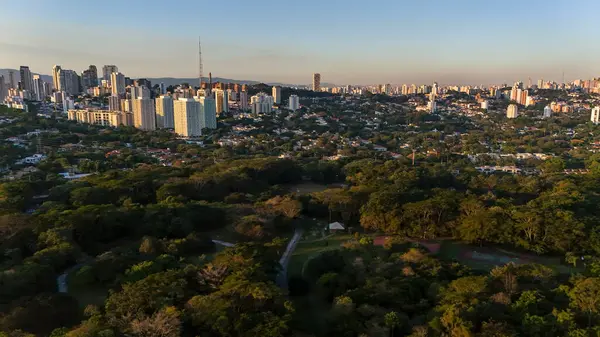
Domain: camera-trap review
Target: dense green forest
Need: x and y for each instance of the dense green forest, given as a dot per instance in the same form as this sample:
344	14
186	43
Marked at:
134	240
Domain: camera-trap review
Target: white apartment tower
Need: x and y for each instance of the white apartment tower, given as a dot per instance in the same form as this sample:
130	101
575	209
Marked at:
143	114
117	81
277	94
316	82
208	113
595	118
164	112
512	111
187	115
294	102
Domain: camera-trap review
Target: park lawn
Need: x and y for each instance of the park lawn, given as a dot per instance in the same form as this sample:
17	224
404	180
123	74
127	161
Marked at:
454	250
309	249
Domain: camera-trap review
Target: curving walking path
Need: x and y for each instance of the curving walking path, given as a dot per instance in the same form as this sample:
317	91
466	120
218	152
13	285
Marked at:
281	279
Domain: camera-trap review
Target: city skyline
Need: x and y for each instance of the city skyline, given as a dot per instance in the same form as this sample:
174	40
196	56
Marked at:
349	43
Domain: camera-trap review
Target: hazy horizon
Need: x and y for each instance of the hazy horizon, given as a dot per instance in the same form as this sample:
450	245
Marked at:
347	42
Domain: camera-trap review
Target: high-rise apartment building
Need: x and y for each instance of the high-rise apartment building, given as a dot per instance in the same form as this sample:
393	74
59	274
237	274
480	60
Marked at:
107	72
164	112
117	81
316	82
68	81
261	103
114	103
208	112
89	77
139	92
26	78
55	71
243	100
187	117
126	105
38	88
222	101
595	118
3	88
144	117
277	94
512	111
11	80
294	103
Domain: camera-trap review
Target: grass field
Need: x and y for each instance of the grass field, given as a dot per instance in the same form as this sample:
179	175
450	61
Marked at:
310	187
487	257
309	249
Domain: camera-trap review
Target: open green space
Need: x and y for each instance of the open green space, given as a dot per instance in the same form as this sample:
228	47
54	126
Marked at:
308	249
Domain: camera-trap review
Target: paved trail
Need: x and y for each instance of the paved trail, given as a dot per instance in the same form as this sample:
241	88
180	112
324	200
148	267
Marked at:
285	259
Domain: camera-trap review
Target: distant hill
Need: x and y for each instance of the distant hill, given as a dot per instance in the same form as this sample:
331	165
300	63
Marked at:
4	72
194	81
167	80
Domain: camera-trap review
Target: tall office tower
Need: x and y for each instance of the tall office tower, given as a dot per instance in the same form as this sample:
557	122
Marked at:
277	94
11	80
114	103
187	117
540	83
316	85
117	81
237	88
55	71
208	113
413	89
294	103
512	111
107	72
164	112
163	88
245	87
38	88
547	112
244	100
595	118
89	77
26	78
144	117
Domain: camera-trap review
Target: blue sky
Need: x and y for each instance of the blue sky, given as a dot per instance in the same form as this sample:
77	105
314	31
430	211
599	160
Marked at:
351	41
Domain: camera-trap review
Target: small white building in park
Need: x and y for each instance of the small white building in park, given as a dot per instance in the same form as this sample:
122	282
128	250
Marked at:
336	226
